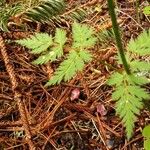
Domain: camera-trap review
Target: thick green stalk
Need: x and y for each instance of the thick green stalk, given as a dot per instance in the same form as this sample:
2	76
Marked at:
117	35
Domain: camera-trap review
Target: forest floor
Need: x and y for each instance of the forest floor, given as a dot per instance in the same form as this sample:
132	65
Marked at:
56	119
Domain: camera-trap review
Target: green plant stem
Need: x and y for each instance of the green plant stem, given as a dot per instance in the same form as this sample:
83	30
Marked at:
117	35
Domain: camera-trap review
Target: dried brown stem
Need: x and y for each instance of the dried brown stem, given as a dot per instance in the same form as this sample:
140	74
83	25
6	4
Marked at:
17	94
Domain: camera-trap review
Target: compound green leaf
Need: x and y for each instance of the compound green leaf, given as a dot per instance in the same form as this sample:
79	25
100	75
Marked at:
37	43
83	36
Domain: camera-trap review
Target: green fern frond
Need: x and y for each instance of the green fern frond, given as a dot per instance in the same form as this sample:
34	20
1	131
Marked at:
140	45
85	56
44	43
56	51
52	48
115	79
69	67
37	43
45	11
77	14
66	70
82	39
59	41
140	65
127	107
129	92
43	59
128	96
83	36
138	80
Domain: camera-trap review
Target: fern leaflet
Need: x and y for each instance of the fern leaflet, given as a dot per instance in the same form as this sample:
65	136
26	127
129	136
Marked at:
6	12
69	67
59	41
42	43
83	36
140	45
129	96
56	50
37	43
78	15
140	65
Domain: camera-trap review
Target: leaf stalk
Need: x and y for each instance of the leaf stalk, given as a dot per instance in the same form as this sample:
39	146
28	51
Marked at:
115	26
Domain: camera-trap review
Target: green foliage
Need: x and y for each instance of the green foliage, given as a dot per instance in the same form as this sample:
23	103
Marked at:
69	67
146	10
82	39
129	93
140	45
41	11
146	134
53	11
38	43
42	43
105	36
55	51
6	12
50	49
78	15
37	10
128	96
45	11
82	36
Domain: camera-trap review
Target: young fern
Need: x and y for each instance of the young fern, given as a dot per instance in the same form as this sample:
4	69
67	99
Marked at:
50	49
82	39
141	45
42	43
56	50
38	43
128	93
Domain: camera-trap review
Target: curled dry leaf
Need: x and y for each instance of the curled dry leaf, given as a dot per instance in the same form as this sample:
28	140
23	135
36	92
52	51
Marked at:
101	109
75	94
